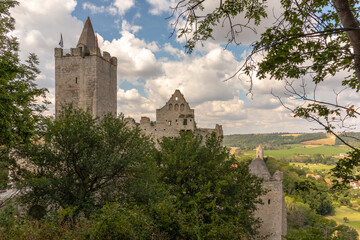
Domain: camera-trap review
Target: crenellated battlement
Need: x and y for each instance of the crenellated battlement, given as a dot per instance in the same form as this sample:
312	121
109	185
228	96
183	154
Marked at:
79	52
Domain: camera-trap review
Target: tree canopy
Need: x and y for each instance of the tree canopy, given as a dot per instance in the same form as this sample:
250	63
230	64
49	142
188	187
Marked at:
83	162
216	195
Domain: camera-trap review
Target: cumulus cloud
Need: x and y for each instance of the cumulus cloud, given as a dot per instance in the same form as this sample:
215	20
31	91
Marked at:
99	9
123	5
132	104
126	26
160	6
135	59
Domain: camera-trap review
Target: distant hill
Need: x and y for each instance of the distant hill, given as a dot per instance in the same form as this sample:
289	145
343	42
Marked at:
352	138
269	141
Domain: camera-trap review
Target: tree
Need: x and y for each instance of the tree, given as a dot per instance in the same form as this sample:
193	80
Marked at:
313	39
19	108
215	195
83	162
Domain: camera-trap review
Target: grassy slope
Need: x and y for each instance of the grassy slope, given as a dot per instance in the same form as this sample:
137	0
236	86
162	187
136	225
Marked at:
352	215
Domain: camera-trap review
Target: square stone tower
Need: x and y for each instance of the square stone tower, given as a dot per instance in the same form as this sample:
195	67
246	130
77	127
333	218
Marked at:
85	77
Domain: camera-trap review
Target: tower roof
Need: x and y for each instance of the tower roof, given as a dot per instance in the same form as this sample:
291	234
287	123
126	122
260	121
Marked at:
258	168
87	37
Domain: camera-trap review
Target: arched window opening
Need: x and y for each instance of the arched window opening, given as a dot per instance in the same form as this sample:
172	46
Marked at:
170	106
185	122
176	107
182	107
269	201
169	123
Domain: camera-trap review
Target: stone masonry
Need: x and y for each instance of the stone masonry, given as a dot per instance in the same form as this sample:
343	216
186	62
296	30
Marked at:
172	118
273	211
85	77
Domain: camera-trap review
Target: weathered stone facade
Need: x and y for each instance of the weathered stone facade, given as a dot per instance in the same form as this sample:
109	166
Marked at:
85	77
172	118
273	211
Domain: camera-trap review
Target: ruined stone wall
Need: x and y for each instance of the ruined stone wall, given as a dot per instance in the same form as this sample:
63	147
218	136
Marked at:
171	119
158	131
176	114
88	81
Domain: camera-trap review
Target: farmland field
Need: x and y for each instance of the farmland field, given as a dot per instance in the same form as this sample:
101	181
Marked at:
299	149
318	166
352	215
324	141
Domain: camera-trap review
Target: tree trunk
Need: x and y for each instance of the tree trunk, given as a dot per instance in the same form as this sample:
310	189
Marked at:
348	20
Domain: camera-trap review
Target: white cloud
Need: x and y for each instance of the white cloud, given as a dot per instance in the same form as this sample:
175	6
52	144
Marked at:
99	9
126	26
135	59
160	6
132	104
123	5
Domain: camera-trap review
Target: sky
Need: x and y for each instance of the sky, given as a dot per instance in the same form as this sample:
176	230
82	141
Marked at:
152	64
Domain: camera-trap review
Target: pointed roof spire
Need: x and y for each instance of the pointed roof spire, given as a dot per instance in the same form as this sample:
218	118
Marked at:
87	37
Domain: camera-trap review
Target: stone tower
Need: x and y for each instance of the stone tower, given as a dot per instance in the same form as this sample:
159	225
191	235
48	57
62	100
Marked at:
260	152
273	212
85	77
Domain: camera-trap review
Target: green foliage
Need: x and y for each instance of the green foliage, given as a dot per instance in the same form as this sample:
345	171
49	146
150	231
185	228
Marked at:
215	198
19	110
207	194
78	161
305	224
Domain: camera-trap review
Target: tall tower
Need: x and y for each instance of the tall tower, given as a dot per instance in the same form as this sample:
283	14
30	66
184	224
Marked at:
85	77
273	211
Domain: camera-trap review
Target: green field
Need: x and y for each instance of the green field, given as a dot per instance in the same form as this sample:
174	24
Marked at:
317	166
352	215
302	150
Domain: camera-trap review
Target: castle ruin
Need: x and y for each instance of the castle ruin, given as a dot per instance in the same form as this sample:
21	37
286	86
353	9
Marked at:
171	119
88	79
